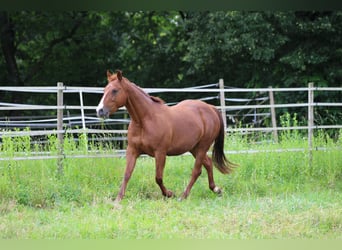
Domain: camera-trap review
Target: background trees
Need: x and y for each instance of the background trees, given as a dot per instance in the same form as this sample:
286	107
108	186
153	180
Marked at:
172	48
166	48
268	48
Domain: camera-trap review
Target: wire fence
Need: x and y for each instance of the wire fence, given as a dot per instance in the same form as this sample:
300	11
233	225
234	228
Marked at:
81	118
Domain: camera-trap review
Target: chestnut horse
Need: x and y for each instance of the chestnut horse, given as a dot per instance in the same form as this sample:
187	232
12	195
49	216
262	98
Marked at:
158	130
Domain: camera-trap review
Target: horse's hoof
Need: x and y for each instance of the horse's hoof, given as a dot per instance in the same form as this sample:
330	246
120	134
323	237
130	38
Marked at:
169	194
217	190
116	205
183	196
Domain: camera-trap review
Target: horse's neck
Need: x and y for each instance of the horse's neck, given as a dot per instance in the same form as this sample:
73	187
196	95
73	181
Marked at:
139	105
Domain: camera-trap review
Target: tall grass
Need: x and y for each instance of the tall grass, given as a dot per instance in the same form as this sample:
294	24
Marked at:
270	195
37	183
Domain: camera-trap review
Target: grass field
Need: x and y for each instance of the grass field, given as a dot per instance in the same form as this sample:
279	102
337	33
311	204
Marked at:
270	196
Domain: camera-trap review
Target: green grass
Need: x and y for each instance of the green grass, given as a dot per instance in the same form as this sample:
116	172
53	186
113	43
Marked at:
310	215
270	196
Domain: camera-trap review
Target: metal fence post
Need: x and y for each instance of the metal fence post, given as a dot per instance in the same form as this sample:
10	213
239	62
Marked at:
310	118
84	128
60	133
82	111
273	115
223	104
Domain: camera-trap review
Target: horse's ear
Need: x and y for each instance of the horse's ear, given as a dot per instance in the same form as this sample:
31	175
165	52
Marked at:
109	75
119	74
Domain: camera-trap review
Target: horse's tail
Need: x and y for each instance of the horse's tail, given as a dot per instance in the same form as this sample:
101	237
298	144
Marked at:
219	159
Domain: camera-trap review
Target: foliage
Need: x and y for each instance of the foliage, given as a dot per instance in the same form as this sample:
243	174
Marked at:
172	49
162	48
275	48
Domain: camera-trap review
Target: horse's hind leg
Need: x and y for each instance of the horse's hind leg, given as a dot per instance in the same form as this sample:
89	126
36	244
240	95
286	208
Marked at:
208	164
160	165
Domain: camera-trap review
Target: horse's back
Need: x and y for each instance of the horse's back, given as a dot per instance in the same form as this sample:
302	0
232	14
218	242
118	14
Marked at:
197	108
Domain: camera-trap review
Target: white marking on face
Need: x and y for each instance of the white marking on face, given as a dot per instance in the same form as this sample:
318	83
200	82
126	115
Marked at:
100	106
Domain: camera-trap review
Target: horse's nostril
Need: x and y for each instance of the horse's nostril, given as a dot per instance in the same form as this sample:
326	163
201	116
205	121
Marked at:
103	112
100	113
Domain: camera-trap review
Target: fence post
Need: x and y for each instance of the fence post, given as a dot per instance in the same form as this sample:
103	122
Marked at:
125	127
82	111
310	118
84	138
273	115
223	104
60	133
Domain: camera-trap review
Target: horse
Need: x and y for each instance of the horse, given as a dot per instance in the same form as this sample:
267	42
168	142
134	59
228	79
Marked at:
158	130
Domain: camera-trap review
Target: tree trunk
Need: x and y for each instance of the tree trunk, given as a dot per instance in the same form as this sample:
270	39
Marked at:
8	49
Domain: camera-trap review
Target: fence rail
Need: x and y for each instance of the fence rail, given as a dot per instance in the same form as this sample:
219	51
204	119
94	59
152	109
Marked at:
59	123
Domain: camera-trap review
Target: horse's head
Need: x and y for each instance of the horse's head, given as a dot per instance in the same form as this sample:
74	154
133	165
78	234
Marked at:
114	95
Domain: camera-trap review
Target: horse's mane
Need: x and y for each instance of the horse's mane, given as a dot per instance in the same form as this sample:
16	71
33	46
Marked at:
153	98
156	99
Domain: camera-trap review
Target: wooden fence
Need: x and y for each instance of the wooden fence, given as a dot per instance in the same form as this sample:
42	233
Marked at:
58	124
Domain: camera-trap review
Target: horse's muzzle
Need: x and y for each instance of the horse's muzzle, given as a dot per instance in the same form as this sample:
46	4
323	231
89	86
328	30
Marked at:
102	113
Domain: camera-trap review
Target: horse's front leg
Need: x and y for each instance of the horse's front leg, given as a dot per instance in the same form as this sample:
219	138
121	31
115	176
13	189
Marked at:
160	165
131	157
196	172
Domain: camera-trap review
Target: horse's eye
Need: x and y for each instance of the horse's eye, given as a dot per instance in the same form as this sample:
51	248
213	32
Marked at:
114	91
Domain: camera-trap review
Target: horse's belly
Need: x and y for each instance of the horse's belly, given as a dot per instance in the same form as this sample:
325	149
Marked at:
182	146
172	151
176	152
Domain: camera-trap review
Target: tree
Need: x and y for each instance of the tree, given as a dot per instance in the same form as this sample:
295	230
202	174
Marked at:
8	48
171	49
261	48
78	47
29	41
258	49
